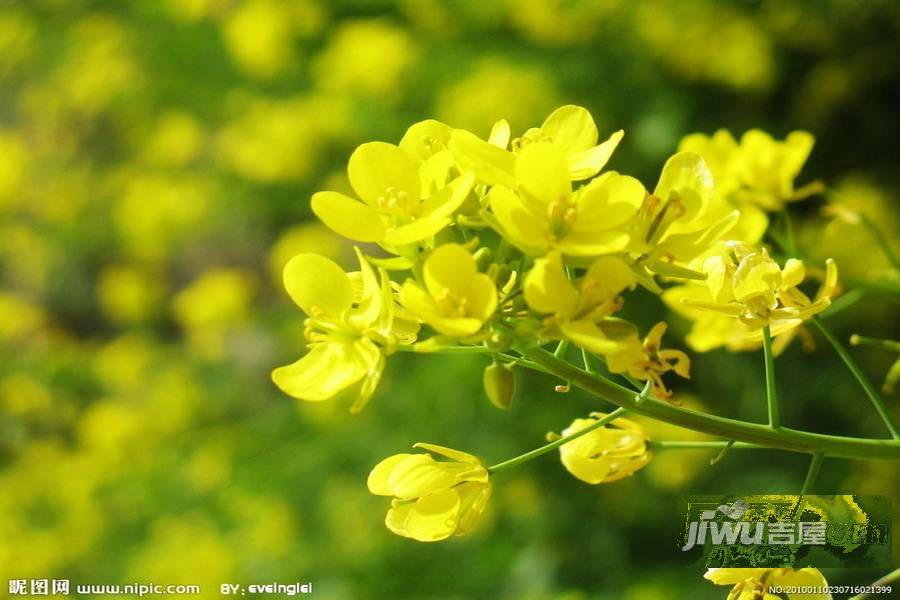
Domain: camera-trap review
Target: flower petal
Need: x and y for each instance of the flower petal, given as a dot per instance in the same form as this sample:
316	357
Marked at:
317	284
548	289
415	231
588	163
376	166
380	475
542	175
524	230
571	128
348	217
425	138
449	267
492	165
457	455
431	518
324	371
686	175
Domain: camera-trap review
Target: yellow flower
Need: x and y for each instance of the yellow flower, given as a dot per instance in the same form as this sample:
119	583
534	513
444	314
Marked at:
759	171
580	312
647	361
746	291
543	212
754	584
606	454
350	329
456	299
680	219
396	208
432	500
569	129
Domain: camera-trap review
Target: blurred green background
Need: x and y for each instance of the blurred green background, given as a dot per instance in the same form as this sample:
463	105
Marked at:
156	161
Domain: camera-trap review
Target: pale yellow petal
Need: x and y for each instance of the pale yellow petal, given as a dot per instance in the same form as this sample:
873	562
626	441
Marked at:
434	517
686	175
324	371
547	288
491	165
588	163
542	175
316	284
571	128
375	167
380	475
348	217
521	228
425	138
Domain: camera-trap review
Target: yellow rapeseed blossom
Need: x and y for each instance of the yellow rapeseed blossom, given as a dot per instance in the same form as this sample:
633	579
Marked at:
432	500
543	212
606	454
754	584
350	328
580	311
680	219
746	290
759	170
647	361
569	129
456	299
395	208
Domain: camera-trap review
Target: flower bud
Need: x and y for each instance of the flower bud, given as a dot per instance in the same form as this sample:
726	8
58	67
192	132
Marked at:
500	384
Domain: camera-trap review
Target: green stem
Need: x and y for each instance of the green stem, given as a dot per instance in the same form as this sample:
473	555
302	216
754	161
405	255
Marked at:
871	392
688	445
740	431
843	302
881	240
883	582
861	340
790	243
814	466
513	462
771	392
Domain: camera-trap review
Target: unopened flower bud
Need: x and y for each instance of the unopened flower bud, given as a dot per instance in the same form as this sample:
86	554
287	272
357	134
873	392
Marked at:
500	384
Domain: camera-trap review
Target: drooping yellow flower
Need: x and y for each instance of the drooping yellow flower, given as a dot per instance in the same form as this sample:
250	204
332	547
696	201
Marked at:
680	219
606	454
350	328
432	500
759	171
754	584
745	291
403	199
544	213
580	312
569	129
647	361
456	299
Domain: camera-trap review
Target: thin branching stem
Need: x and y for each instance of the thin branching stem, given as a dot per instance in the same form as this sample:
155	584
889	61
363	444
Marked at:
876	399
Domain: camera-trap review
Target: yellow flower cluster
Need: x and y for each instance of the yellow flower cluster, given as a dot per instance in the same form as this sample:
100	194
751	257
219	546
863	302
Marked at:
744	291
499	243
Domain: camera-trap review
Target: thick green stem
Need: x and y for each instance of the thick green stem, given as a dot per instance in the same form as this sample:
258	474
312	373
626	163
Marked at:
508	464
771	391
876	399
815	466
740	431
